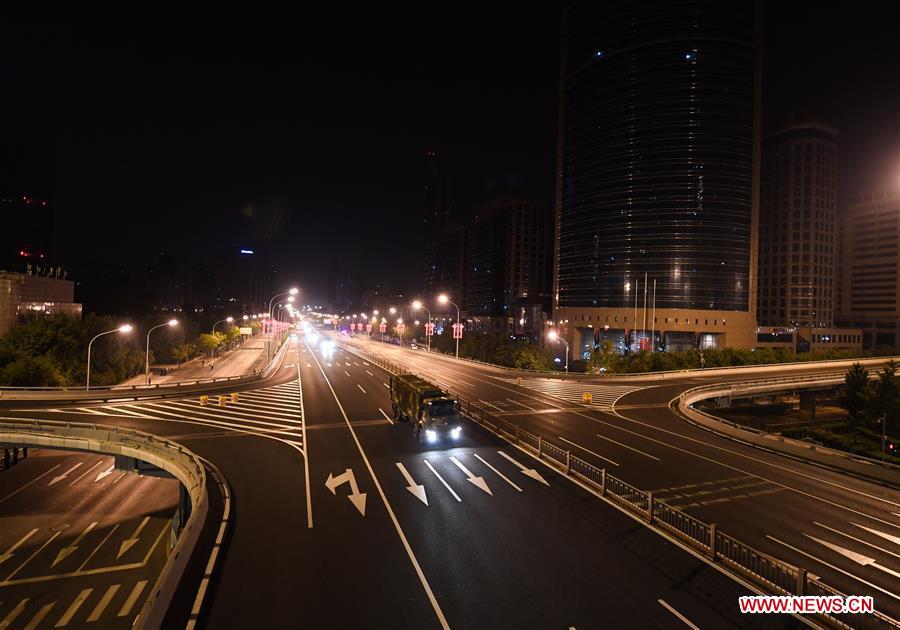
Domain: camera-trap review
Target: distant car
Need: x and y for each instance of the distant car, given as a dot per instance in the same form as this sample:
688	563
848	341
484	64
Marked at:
413	345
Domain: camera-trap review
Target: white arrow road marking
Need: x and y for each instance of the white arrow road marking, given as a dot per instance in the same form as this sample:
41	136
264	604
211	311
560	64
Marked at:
128	543
106	473
386	417
64	475
478	482
356	497
416	489
361	388
85	473
531	472
831	566
441	479
856	557
65	552
892	538
9	552
502	476
859	540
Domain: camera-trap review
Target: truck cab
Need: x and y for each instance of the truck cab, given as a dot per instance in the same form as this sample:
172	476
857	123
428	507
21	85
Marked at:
434	413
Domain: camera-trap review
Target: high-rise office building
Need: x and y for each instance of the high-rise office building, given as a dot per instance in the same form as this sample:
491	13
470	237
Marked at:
507	266
798	225
870	282
658	174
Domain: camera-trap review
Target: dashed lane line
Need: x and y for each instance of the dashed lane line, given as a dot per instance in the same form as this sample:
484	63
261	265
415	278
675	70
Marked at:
361	388
677	614
630	448
33	481
386	417
587	450
500	474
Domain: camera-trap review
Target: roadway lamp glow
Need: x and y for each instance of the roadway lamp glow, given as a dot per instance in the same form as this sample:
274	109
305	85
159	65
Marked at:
294	291
125	328
443	299
173	322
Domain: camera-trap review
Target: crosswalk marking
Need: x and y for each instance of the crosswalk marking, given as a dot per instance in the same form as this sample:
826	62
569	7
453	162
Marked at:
603	396
39	616
73	608
132	598
103	603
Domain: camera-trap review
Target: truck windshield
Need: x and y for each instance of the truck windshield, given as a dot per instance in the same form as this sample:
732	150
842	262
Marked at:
443	408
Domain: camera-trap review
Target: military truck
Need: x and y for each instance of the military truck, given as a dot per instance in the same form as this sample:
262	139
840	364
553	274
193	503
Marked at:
433	412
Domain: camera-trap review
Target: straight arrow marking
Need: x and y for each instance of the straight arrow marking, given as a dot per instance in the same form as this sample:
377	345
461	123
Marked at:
64	475
106	473
502	476
478	482
856	557
417	490
128	543
65	552
531	472
9	552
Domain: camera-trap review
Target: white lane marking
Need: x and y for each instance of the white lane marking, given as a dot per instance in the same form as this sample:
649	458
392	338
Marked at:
441	479
484	402
106	473
386	385
91	411
15	612
630	448
103	603
64	475
35	480
587	450
119	478
356	364
369	373
9	552
831	566
39	616
476	481
120	409
65	552
387	417
81	476
309	514
858	558
73	608
348	365
412	556
416	489
500	474
681	617
132	598
97	548
128	543
859	540
361	388
346	372
29	559
886	536
516	402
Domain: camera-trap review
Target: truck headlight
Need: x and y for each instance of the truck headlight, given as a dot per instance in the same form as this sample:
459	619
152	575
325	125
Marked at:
430	435
454	432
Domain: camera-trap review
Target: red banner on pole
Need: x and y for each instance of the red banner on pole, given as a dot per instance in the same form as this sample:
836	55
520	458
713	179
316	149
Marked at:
457	331
382	328
429	329
369	328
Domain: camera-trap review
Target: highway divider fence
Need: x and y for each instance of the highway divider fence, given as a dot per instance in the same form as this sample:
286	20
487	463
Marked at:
768	573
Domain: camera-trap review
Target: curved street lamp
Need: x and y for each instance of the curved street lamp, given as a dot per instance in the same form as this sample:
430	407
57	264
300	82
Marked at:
416	306
554	336
292	292
125	328
221	321
171	322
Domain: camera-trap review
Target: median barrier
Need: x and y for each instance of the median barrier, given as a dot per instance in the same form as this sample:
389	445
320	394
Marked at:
111	440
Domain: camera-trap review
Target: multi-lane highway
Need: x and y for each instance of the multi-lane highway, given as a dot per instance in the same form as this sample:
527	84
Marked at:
341	518
838	527
80	542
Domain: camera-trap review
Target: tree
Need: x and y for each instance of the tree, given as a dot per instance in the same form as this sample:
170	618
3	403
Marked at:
603	356
886	396
27	371
209	342
855	395
183	351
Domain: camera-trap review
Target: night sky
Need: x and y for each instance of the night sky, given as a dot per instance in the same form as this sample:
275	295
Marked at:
304	132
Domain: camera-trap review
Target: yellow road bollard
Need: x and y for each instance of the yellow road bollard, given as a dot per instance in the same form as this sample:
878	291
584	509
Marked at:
223	401
234	396
587	397
518	380
204	400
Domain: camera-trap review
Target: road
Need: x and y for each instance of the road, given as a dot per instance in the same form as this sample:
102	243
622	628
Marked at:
249	356
841	528
342	519
80	542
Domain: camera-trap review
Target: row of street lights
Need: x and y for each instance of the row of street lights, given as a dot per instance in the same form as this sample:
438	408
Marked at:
124	329
418	305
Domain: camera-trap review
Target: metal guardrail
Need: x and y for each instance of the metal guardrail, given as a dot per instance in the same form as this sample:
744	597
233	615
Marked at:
770	574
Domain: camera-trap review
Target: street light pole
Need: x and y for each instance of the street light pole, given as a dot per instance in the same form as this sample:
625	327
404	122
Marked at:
293	291
443	299
171	322
554	336
417	305
122	329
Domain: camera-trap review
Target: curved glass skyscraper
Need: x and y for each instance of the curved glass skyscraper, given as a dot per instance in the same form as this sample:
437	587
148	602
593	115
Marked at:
658	173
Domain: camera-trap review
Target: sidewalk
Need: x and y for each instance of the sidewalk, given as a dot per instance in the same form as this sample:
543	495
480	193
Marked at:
249	356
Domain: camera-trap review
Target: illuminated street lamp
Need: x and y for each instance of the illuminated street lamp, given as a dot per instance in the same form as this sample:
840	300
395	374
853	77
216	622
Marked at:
443	299
554	336
428	327
170	323
221	321
125	328
292	292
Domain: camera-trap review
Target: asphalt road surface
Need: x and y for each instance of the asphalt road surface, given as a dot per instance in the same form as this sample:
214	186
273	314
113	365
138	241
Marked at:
840	528
341	518
81	543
